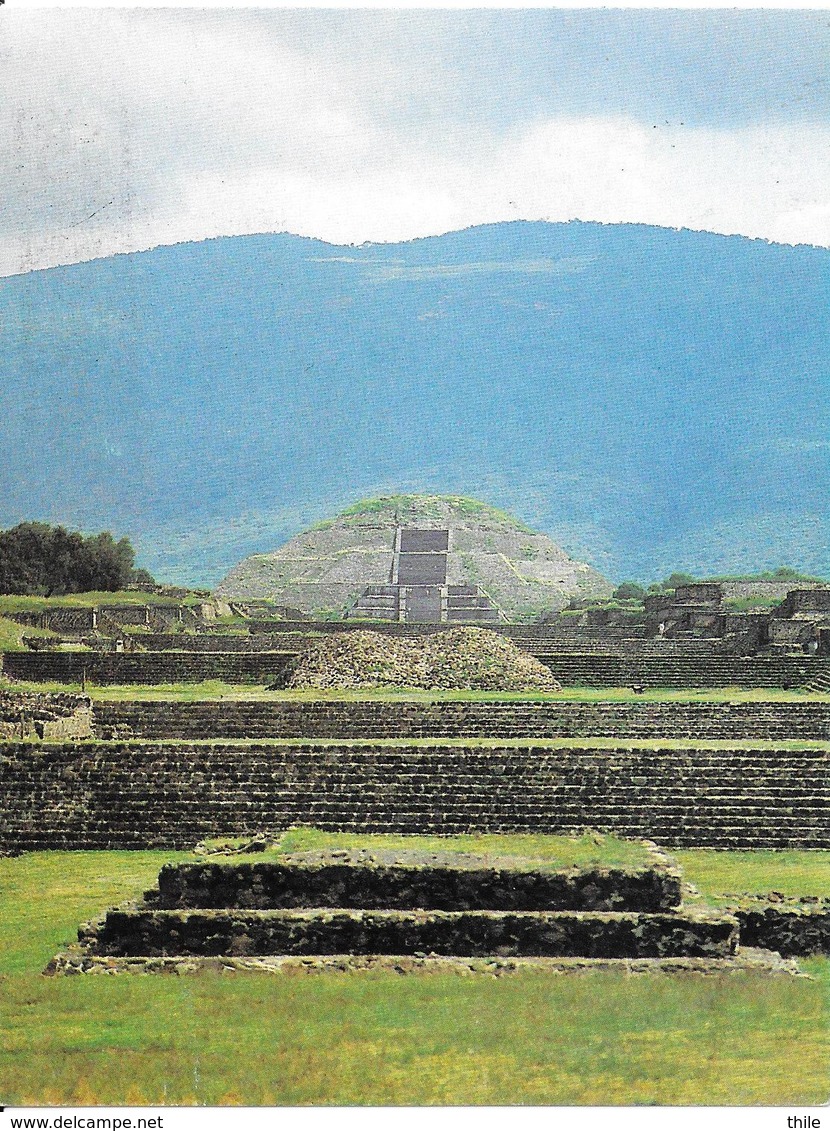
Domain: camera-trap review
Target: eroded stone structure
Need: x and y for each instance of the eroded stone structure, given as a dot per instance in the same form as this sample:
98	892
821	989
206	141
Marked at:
800	621
397	903
418	591
486	555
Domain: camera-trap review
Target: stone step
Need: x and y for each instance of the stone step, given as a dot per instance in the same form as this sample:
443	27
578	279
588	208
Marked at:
401	720
588	934
459	885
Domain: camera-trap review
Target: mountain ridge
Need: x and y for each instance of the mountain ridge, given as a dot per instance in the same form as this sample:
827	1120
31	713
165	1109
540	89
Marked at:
652	399
370	245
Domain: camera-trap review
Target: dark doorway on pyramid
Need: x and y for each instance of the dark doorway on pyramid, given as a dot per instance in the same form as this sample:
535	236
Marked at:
418	591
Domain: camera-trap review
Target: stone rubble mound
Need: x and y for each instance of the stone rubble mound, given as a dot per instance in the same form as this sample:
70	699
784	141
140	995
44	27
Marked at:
456	659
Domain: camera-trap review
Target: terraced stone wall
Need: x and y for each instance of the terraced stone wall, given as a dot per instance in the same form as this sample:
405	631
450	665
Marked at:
367	719
549	631
324	880
74	619
572	669
142	667
549	645
45	716
790	927
676	670
114	795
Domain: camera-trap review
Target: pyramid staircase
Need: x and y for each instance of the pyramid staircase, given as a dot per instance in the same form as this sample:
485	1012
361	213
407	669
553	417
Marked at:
357	903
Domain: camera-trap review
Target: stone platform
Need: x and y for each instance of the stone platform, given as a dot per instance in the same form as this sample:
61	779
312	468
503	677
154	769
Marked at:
403	880
447	905
310	931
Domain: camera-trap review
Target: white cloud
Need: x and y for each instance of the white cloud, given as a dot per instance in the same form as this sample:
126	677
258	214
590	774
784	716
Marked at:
768	182
128	130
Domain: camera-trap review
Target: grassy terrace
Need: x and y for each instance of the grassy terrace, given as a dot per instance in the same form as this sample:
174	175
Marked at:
11	635
531	849
16	603
717	874
378	1038
217	690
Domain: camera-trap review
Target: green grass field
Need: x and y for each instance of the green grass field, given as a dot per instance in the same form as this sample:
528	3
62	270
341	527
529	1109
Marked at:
11	635
381	1038
18	603
537	850
216	689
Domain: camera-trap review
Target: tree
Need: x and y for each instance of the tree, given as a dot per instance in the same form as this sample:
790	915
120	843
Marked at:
44	560
787	573
675	579
629	591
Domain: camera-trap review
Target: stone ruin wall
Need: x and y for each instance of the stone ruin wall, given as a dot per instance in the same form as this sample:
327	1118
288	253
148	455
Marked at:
622	668
528	719
45	716
142	667
113	795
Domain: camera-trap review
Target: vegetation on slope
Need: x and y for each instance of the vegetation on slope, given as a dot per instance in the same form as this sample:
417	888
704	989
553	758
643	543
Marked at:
408	508
21	603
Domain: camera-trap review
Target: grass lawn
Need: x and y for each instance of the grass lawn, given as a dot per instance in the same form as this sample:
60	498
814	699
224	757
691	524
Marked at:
11	635
20	603
535	850
756	873
216	689
379	1038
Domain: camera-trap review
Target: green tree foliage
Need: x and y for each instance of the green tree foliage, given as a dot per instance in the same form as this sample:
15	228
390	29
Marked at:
50	561
782	573
675	579
629	591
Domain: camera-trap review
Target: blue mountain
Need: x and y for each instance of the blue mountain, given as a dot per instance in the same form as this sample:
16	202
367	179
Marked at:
651	399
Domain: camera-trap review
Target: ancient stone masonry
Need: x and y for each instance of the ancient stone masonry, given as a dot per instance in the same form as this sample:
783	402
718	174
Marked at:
142	667
351	904
104	618
449	881
422	558
699	609
802	620
80	619
806	602
593	668
277	636
370	879
679	670
418	591
46	716
790	926
552	633
545	719
117	795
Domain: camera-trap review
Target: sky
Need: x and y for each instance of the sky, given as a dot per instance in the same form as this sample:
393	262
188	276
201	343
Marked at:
124	129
